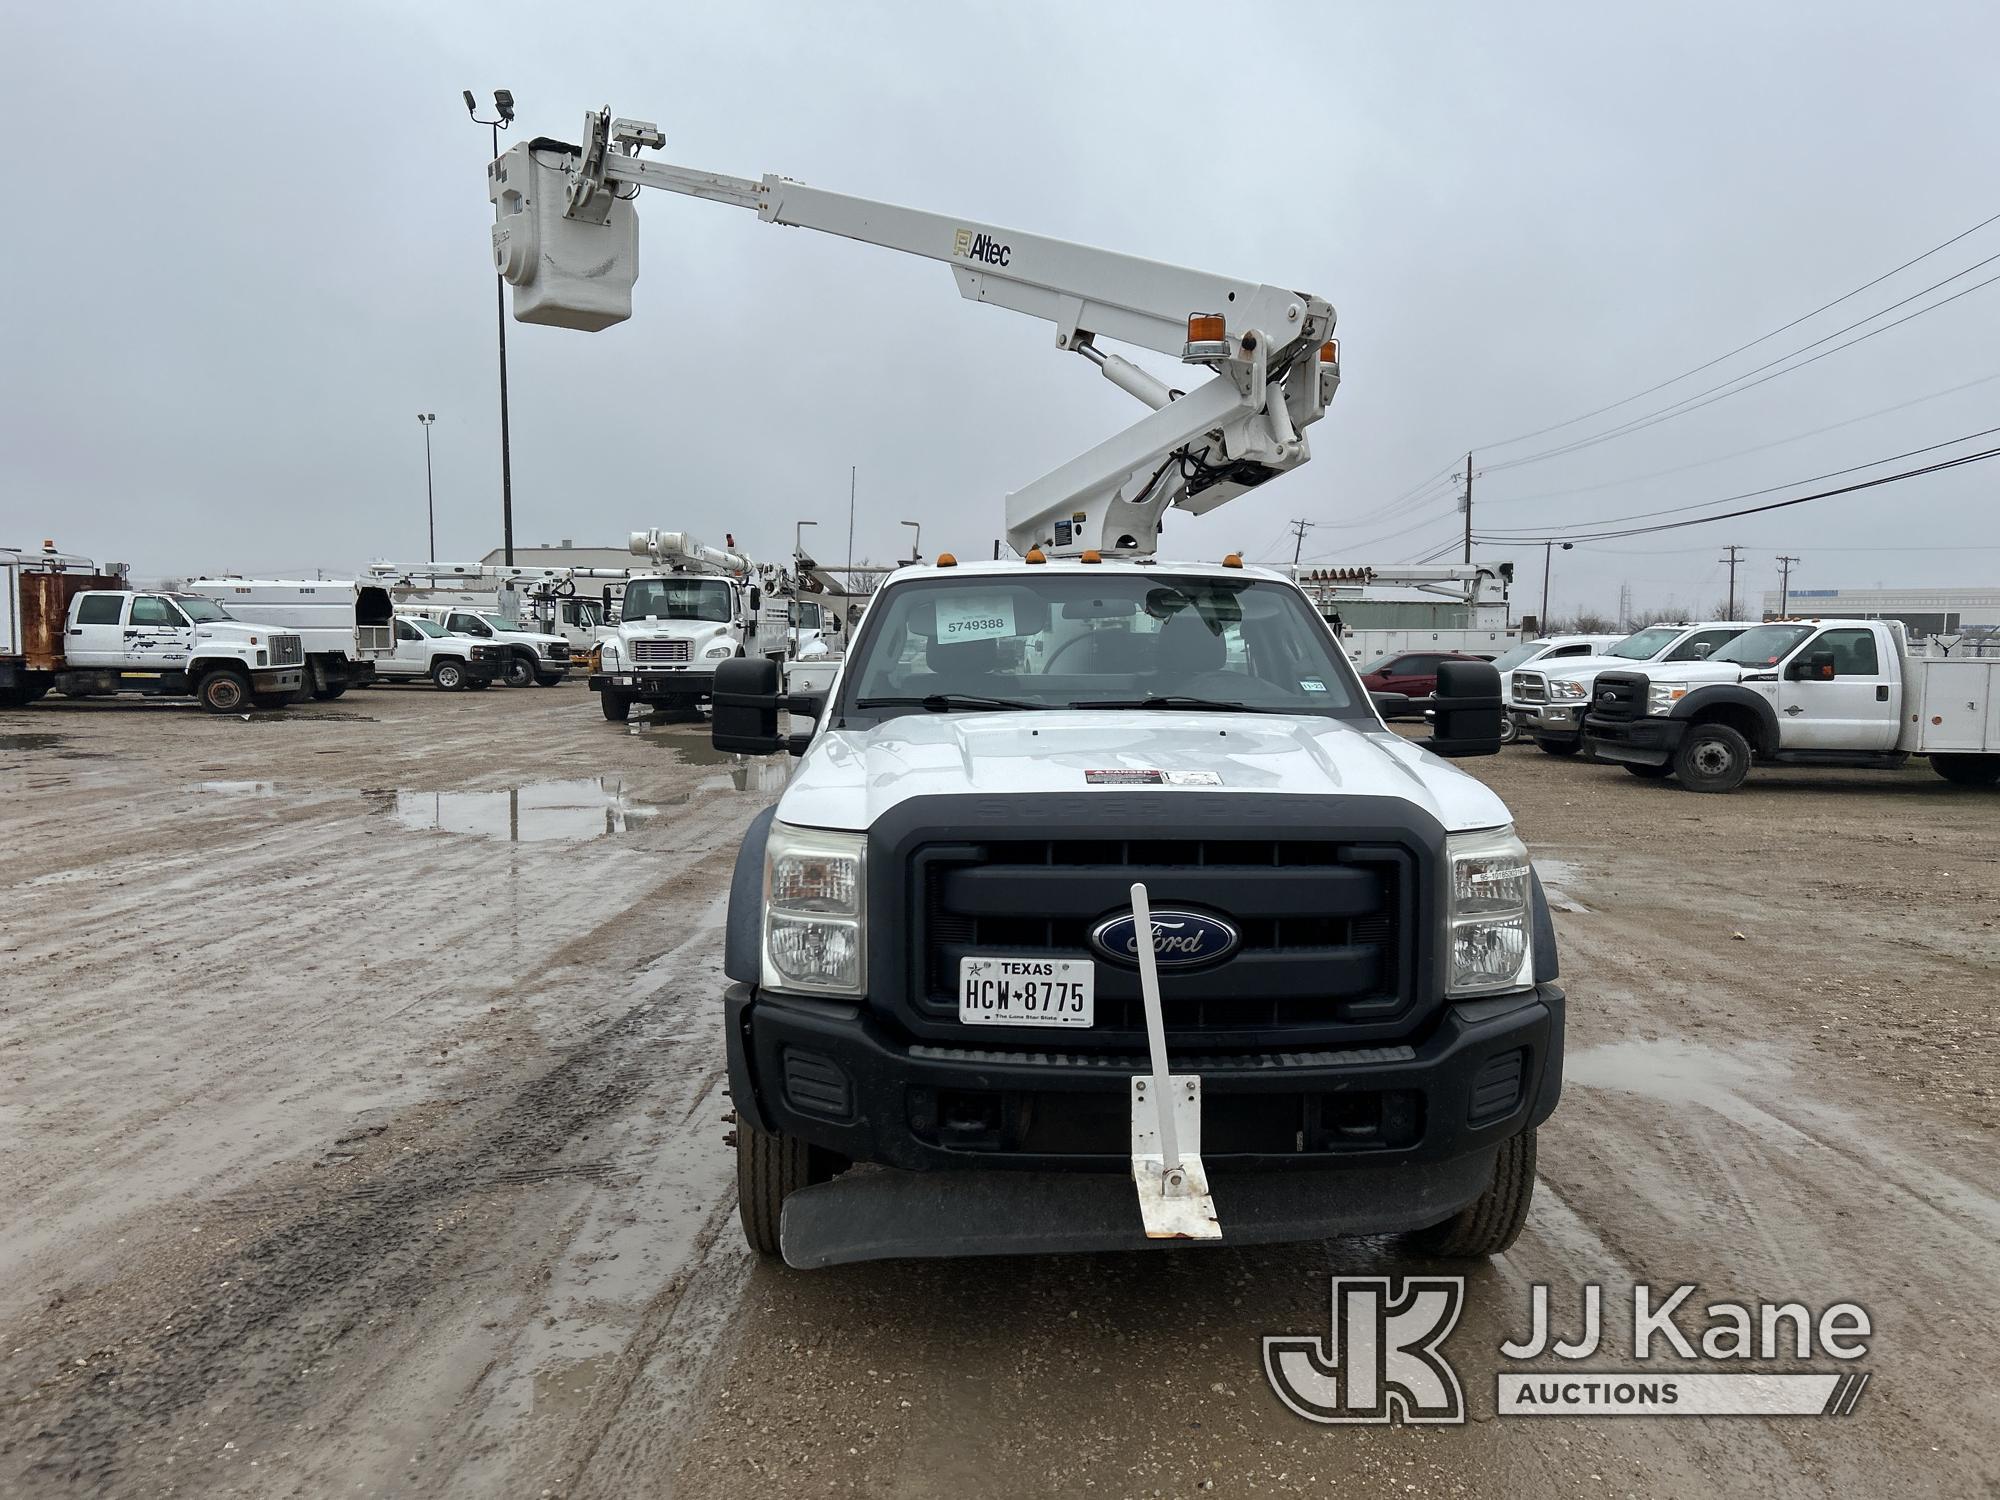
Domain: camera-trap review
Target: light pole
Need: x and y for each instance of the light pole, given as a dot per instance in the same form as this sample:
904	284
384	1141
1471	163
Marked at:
1548	552
503	116
430	491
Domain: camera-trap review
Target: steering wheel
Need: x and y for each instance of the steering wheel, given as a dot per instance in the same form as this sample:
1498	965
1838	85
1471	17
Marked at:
1064	649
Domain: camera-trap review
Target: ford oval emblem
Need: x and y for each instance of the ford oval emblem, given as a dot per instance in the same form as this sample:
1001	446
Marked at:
1181	939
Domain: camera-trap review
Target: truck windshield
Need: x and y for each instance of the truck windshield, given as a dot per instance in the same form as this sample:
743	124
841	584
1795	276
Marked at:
428	627
199	609
1645	644
1526	651
1106	639
1762	645
678	599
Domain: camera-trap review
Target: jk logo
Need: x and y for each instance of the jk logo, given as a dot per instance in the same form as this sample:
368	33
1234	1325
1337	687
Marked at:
1380	1360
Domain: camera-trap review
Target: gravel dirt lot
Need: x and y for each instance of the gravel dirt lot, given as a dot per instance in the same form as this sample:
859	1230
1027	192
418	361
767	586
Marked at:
364	1118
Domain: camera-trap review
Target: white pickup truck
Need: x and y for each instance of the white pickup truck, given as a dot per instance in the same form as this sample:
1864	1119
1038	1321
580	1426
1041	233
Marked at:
1801	693
1547	702
426	650
530	657
63	630
1549	652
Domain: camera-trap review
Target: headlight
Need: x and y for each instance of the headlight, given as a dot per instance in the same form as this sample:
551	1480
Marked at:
720	649
815	910
1569	690
1662	696
1491	945
607	654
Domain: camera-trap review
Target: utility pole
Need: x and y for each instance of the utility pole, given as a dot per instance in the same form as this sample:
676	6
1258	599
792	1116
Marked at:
503	116
1731	560
430	491
1299	529
1785	585
851	470
1466	506
1624	606
1548	552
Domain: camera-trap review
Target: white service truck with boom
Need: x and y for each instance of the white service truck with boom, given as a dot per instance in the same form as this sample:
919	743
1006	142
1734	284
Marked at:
1801	693
1103	910
704	606
345	625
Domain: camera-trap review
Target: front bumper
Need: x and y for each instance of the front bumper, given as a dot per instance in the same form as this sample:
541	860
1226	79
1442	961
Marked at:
1642	742
651	686
830	1074
277	679
1551	721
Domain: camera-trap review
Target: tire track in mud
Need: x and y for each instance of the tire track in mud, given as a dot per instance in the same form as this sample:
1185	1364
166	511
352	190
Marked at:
304	1300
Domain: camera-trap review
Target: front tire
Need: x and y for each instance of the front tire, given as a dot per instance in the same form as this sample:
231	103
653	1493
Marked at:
224	690
520	671
1559	747
547	681
1968	770
1510	729
1492	1221
1649	773
448	675
1712	758
617	707
769	1169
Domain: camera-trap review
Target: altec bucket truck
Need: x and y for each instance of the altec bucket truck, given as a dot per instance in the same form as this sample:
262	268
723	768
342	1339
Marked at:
1102	909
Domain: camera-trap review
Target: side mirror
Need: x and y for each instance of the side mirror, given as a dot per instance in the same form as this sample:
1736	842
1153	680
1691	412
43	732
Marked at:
1390	705
1466	710
756	598
804	711
746	695
1701	650
1814	666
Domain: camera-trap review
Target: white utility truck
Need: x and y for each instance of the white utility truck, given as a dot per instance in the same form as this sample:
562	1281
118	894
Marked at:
704	606
573	604
426	651
1801	693
1099	937
345	625
531	657
1547	702
66	627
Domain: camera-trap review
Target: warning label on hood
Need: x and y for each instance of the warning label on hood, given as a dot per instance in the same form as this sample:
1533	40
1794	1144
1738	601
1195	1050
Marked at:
1131	776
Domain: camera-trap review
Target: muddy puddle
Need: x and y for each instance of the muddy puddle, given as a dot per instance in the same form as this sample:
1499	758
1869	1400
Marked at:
53	746
535	812
1673	1071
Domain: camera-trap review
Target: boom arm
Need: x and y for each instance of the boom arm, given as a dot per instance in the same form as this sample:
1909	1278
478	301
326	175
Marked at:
566	238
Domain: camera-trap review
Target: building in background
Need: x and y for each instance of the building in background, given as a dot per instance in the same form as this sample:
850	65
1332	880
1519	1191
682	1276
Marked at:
1927	612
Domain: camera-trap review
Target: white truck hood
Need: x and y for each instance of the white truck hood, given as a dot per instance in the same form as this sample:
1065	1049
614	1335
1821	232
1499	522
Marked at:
850	777
238	632
1587	666
1694	673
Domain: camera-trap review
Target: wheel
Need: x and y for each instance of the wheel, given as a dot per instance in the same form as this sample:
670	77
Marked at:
769	1169
617	707
266	702
1493	1220
679	703
473	684
547	681
1968	770
1649	773
1712	758
21	694
1560	747
1510	730
520	671
449	675
327	692
224	690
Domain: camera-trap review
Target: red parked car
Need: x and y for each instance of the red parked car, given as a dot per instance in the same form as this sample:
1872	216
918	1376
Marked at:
1410	674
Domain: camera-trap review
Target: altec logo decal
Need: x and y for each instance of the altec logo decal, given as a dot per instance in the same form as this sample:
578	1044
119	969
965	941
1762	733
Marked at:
981	247
1381	1360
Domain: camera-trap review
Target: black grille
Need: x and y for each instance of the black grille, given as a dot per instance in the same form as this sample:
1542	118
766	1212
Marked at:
1618	695
1326	928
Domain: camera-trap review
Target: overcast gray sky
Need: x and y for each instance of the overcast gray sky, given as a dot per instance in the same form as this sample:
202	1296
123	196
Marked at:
246	243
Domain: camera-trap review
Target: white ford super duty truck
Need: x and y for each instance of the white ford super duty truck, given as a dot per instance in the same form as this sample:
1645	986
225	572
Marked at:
1801	693
1103	909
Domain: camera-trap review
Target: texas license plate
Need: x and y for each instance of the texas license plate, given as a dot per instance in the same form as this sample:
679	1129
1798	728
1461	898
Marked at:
1027	992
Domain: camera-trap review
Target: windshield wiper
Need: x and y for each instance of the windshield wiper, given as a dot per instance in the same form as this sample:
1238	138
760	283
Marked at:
940	703
1177	700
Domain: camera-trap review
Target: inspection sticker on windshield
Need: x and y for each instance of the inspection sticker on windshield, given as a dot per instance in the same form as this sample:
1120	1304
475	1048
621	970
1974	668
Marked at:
1312	685
975	617
1027	991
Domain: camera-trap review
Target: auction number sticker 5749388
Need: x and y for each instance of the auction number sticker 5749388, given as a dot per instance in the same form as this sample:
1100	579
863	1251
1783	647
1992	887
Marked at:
1027	991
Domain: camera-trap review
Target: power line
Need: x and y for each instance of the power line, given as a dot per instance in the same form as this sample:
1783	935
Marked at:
1769	489
1761	338
1695	402
1612	484
1867	484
